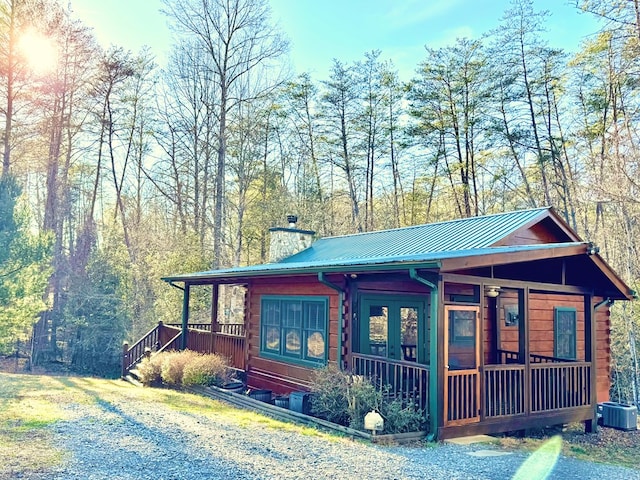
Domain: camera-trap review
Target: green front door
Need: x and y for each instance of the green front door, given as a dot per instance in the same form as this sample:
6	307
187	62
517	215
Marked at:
393	327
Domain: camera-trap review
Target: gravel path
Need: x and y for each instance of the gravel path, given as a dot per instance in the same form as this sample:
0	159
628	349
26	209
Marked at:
129	438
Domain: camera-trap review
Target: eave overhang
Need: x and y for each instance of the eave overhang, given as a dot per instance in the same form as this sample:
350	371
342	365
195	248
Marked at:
448	261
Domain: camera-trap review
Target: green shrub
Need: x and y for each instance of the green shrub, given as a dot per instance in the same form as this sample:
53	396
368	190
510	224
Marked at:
401	417
363	397
205	370
150	370
329	400
173	365
345	399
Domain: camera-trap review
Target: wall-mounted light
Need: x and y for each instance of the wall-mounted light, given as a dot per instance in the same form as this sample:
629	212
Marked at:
354	276
592	249
492	291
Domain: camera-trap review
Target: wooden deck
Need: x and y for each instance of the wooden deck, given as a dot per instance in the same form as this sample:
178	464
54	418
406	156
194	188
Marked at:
546	391
228	342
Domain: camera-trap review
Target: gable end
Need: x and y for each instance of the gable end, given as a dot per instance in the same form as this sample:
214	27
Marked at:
550	228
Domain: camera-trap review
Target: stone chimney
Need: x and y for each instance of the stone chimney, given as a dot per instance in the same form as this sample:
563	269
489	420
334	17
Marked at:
285	242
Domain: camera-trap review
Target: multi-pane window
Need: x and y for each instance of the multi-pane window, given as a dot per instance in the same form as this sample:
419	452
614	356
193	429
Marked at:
565	320
294	328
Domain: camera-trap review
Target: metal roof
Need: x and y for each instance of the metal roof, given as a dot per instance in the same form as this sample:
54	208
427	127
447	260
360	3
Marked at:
455	235
419	244
427	246
421	260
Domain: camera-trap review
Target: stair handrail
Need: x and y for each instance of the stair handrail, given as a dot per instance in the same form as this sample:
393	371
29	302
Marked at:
150	340
171	344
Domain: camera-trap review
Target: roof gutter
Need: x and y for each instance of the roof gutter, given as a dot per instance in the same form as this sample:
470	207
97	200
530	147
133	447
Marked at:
433	353
341	292
354	268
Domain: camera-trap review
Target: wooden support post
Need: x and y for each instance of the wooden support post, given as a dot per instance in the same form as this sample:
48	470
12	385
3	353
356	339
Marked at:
494	316
185	317
125	359
158	345
436	359
524	337
215	296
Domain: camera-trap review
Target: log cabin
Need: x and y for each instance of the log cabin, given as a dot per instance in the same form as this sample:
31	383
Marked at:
489	324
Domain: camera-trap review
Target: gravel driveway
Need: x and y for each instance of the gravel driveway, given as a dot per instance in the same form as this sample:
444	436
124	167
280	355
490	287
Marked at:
125	437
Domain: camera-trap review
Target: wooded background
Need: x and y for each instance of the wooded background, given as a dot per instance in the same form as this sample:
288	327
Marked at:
116	171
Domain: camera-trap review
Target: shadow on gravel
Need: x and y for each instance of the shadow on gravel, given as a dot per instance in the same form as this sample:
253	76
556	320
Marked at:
124	441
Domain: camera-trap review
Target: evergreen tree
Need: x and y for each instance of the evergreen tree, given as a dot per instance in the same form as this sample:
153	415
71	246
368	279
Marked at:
24	269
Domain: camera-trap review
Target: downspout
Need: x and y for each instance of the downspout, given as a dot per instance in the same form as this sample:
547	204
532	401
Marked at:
341	292
433	353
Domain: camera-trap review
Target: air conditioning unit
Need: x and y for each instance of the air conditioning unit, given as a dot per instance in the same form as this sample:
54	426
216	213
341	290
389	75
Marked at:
619	415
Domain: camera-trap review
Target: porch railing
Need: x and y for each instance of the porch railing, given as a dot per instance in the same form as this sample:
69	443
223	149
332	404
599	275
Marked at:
553	386
535	358
406	380
503	390
462	396
197	326
229	342
509	356
173	344
560	385
197	340
235	329
232	347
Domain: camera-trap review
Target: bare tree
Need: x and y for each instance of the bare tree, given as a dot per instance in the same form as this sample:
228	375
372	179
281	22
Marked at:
239	40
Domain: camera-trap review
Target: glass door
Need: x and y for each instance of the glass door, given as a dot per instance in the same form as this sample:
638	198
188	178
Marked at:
390	327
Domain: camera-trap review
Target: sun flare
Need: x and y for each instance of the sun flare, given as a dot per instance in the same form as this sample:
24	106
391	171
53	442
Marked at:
38	50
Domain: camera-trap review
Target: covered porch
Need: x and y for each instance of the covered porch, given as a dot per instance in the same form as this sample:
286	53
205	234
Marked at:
502	354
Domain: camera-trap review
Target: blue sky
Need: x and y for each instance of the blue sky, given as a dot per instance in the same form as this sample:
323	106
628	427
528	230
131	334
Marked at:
320	30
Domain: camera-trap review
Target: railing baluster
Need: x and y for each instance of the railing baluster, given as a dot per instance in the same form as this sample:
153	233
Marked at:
407	380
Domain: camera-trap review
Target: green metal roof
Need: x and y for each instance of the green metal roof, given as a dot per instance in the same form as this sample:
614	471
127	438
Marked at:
415	245
456	235
421	260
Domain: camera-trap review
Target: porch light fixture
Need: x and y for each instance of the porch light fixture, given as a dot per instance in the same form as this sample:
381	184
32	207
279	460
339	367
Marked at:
492	291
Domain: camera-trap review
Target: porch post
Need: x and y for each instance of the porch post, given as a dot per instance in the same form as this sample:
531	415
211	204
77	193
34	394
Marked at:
524	347
215	294
436	323
590	354
435	376
185	316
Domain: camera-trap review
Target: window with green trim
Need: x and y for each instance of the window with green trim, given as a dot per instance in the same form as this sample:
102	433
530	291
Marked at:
294	328
565	332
